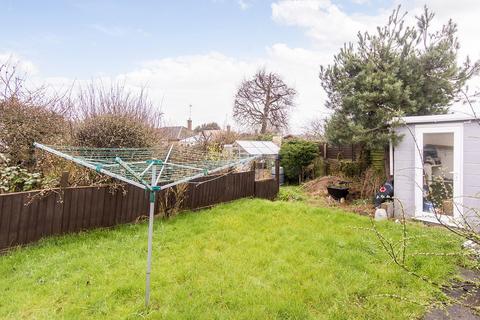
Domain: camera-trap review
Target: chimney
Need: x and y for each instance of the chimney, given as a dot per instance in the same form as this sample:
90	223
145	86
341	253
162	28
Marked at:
189	121
228	128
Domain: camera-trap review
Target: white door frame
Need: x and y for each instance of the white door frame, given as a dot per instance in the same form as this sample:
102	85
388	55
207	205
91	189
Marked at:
457	130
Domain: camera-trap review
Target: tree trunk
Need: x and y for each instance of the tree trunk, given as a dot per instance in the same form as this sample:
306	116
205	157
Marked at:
266	113
263	129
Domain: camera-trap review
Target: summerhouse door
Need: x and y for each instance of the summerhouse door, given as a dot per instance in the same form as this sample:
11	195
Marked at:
438	172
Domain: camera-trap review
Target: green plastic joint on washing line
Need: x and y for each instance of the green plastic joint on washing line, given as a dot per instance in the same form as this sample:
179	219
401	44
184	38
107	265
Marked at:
98	168
152	196
155	161
205	172
156	188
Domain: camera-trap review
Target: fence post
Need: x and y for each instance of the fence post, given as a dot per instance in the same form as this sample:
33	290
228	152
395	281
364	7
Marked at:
64	179
325	159
277	170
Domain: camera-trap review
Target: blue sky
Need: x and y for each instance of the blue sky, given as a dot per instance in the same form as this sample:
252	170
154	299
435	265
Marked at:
84	38
196	51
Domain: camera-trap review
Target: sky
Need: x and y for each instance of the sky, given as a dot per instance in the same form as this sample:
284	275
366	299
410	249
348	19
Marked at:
198	52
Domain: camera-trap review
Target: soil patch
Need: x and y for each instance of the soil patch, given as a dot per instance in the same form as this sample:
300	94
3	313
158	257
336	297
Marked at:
318	195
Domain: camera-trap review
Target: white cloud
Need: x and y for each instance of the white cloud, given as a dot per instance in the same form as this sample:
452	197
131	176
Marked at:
463	12
118	31
328	26
299	68
207	81
361	1
244	5
325	23
22	65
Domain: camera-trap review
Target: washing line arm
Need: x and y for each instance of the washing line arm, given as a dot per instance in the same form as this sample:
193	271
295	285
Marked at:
98	168
132	172
163	164
207	172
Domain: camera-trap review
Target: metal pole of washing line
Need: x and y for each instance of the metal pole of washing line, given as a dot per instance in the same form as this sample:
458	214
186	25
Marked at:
150	236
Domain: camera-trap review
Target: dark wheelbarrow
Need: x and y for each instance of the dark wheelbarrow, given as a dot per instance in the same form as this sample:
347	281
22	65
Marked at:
339	191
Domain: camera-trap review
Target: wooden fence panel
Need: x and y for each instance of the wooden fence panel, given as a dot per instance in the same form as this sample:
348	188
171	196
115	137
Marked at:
334	152
24	220
32	221
57	214
4	222
266	189
28	216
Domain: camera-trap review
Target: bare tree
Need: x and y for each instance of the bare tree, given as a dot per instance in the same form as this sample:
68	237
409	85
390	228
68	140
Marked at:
264	102
96	99
315	129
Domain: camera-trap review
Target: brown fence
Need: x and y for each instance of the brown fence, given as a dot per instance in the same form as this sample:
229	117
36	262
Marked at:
28	216
266	189
347	151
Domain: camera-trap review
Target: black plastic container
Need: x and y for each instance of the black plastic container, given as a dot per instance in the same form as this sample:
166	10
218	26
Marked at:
337	192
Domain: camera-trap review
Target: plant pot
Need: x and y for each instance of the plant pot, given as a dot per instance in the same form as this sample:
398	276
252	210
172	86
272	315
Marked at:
337	192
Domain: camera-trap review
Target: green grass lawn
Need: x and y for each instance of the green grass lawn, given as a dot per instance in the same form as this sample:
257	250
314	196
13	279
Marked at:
250	259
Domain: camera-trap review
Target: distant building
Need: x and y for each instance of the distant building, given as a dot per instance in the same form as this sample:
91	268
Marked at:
204	135
176	133
264	167
256	148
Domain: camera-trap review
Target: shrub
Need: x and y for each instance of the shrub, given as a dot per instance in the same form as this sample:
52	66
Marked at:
28	115
347	168
207	126
15	179
114	116
290	193
295	156
21	125
319	167
115	131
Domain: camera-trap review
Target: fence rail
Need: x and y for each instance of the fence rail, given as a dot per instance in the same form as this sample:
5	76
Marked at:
26	217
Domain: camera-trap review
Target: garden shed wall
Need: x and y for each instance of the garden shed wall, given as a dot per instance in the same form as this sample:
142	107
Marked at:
404	169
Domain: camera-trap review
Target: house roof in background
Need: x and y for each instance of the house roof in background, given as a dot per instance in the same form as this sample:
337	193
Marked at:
175	133
451	117
207	134
253	147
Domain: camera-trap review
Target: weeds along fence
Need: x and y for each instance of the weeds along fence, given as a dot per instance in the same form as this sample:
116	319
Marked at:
26	217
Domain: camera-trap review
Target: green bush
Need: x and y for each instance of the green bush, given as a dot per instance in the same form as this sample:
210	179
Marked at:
319	167
290	193
22	124
15	179
295	156
113	131
347	168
